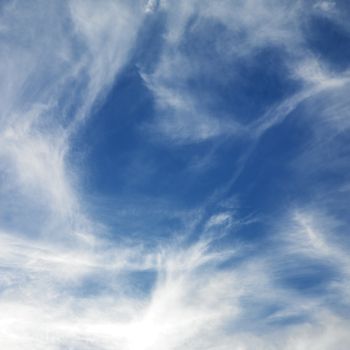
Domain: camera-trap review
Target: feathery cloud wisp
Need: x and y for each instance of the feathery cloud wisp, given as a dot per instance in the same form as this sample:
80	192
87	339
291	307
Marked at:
221	280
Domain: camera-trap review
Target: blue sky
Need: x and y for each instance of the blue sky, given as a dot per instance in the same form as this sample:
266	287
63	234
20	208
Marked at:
174	174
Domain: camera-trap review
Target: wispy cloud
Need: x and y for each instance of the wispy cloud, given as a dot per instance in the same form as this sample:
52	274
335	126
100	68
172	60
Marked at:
65	284
57	61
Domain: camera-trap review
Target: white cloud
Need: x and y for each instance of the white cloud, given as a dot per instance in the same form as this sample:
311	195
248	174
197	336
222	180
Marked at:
193	304
62	286
219	219
324	5
151	6
183	115
54	56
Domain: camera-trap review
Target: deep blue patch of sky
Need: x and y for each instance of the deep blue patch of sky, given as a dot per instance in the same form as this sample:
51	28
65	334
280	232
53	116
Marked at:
158	182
